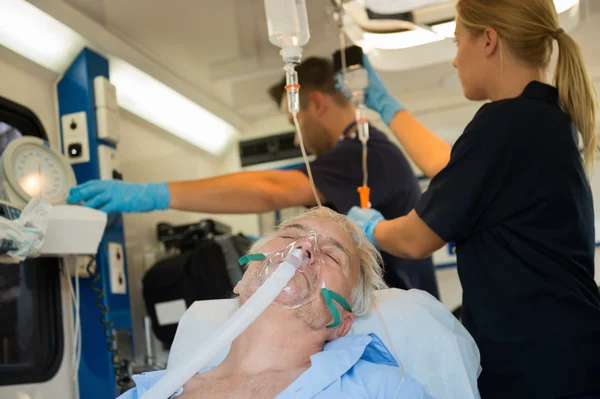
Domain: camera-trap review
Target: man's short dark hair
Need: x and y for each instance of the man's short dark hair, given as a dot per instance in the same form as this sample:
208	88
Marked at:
314	73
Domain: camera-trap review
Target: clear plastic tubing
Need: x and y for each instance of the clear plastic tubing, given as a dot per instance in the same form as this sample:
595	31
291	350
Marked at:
356	81
224	336
287	23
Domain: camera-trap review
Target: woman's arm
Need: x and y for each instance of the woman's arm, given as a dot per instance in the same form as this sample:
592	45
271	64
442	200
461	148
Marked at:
407	237
429	152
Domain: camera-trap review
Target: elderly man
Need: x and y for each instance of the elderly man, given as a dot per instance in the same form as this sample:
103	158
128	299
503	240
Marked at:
303	351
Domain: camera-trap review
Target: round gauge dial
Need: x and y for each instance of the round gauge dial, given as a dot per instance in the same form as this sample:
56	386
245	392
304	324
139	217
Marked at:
39	173
32	169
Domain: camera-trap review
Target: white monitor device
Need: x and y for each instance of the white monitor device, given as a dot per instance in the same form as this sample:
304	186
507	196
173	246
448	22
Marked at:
73	230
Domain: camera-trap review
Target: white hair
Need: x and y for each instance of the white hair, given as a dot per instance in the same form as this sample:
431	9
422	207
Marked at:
370	277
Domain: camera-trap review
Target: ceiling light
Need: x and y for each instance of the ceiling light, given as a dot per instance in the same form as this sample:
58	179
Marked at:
397	7
150	99
446	29
564	5
400	40
417	37
37	36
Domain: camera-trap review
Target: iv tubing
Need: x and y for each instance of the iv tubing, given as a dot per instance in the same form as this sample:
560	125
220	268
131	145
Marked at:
362	123
310	177
292	88
343	52
364	165
224	336
339	12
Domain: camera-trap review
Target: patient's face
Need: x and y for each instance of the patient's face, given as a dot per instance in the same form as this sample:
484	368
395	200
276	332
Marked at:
340	266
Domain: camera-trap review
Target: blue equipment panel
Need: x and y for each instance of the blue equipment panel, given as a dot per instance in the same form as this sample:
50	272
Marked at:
96	372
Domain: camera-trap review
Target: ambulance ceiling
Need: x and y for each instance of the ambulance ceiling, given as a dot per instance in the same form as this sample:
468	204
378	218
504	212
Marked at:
220	47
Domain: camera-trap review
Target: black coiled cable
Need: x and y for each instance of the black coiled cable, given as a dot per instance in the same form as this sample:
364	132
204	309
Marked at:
122	367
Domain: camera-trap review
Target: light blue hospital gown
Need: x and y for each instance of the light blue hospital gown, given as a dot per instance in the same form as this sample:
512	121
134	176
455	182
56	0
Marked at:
358	366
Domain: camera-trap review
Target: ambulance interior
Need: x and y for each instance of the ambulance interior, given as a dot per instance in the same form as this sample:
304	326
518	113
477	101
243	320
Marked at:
186	98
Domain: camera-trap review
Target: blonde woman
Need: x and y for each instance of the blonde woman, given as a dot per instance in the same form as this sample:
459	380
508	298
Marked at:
514	195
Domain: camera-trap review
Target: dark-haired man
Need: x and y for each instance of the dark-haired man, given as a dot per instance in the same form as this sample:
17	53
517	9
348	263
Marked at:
326	119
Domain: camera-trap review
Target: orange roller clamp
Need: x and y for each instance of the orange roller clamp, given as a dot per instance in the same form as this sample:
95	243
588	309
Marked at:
364	193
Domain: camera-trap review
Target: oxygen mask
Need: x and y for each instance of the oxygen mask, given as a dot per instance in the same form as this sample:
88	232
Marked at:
308	282
304	287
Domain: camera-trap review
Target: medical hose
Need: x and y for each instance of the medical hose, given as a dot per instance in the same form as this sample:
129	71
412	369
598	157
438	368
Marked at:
364	165
343	50
121	366
310	177
292	88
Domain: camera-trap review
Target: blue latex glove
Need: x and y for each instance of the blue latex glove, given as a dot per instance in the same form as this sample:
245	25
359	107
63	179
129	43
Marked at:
116	196
377	96
367	220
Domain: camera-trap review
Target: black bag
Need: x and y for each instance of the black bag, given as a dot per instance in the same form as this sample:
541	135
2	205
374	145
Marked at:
198	274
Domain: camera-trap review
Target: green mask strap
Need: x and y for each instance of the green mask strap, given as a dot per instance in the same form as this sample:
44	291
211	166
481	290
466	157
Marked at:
250	257
331	296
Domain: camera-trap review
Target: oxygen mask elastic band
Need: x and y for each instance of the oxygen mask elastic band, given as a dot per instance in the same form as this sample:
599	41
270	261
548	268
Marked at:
329	297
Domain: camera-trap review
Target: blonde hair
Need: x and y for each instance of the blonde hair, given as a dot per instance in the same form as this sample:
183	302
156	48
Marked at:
529	27
370	277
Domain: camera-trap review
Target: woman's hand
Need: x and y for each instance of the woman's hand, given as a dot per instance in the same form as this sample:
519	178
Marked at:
367	220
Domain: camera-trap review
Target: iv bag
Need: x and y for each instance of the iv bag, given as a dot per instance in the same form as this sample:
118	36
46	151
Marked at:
287	22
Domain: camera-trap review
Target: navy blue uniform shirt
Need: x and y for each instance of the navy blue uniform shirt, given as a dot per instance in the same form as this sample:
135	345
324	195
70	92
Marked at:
516	199
394	192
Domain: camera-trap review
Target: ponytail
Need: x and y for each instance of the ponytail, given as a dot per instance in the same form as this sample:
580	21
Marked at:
577	94
529	27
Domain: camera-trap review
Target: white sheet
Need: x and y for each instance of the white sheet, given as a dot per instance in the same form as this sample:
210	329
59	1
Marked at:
434	348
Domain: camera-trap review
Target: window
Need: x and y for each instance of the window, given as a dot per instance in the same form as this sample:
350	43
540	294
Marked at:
31	343
31	331
7	134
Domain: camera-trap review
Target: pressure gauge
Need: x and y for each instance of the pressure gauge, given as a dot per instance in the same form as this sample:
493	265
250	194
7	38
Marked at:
30	168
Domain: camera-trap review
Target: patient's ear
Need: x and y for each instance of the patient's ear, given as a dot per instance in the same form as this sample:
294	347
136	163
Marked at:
344	326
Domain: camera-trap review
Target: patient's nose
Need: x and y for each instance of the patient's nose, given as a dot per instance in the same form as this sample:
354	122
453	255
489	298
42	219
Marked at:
308	250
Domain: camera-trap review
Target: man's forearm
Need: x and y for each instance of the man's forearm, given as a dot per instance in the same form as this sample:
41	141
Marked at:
243	192
428	151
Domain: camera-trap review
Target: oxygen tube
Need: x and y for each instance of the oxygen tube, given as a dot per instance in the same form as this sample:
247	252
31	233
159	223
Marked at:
174	379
